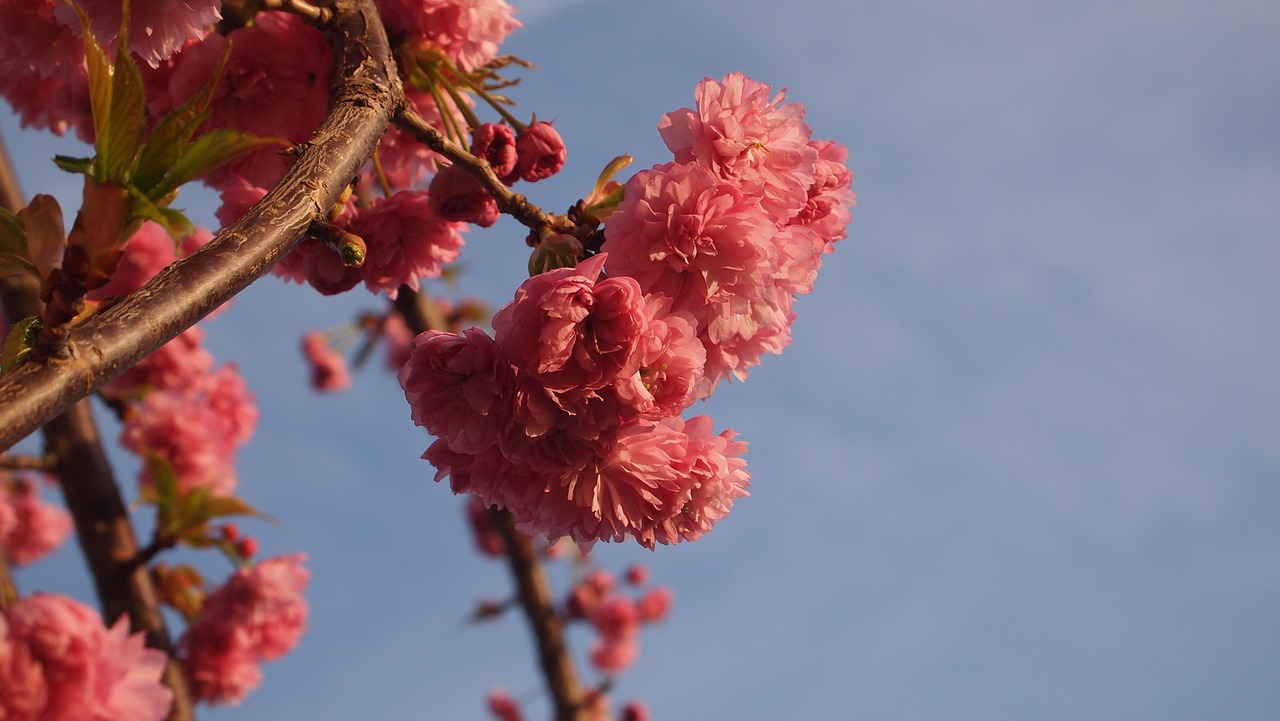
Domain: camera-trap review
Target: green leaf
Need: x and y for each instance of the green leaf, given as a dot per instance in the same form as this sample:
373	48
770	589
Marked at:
84	166
99	71
19	342
210	151
174	222
173	133
128	114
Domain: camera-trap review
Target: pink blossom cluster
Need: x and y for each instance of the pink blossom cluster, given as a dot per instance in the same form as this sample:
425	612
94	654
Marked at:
569	416
616	617
328	366
59	663
29	527
257	615
179	408
735	227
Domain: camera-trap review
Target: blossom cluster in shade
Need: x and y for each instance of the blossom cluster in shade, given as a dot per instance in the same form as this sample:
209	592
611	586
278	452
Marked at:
58	662
180	409
257	615
29	527
735	227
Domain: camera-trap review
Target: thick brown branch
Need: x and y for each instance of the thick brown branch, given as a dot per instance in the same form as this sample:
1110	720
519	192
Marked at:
106	345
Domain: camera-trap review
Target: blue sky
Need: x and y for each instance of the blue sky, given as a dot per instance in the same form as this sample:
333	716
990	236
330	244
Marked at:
1020	460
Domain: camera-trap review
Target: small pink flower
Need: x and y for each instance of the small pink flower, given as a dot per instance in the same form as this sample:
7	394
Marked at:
828	210
503	707
456	196
748	138
35	528
541	153
655	605
572	332
636	711
683	232
488	540
328	367
468	31
637	574
406	241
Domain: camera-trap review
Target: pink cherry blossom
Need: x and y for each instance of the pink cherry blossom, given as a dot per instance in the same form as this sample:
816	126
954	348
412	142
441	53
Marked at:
746	137
406	242
503	706
683	232
572	332
59	663
655	604
328	367
456	196
460	388
157	28
718	474
467	31
42	71
827	211
194	429
738	333
257	615
33	527
171	366
488	540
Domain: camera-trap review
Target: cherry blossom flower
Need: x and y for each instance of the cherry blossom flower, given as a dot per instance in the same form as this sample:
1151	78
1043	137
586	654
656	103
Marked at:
467	31
157	28
746	137
29	527
718	474
42	71
572	332
328	367
503	706
406	242
456	196
459	388
682	231
257	615
59	663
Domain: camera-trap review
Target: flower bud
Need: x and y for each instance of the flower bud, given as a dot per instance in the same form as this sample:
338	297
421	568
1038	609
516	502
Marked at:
496	143
541	151
455	196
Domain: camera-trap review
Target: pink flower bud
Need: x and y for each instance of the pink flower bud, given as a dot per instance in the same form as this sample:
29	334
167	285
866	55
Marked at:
541	151
456	197
496	143
635	711
638	575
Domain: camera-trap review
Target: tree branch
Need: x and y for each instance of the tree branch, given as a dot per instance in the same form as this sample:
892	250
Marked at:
106	345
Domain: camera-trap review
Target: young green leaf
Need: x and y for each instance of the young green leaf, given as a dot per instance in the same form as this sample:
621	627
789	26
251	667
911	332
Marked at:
209	151
19	342
173	133
174	221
